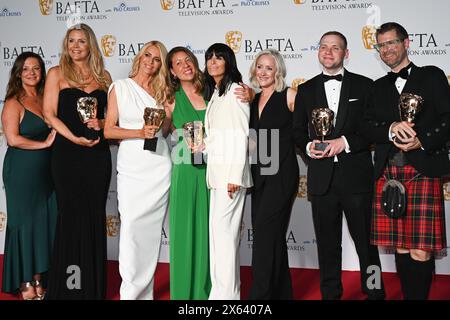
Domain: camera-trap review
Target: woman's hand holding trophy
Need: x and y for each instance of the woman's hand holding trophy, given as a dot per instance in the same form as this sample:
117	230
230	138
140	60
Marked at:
87	111
153	119
193	133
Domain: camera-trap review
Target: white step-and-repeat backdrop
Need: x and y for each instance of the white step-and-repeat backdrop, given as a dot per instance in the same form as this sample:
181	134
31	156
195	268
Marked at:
291	26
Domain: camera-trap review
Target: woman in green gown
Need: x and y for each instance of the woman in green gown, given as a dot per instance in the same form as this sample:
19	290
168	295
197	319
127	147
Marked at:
189	195
30	200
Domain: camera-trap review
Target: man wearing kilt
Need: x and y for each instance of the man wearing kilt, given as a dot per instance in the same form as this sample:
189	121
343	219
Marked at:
414	154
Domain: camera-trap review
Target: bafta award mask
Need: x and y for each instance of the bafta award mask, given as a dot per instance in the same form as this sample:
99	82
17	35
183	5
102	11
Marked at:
409	105
87	108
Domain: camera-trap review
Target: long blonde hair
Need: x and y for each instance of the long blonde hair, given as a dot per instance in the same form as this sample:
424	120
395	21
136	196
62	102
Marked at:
160	81
95	60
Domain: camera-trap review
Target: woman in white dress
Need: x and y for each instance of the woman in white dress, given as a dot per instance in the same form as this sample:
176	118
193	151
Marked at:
228	171
143	177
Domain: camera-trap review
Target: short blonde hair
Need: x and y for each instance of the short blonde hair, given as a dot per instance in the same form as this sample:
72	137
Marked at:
159	82
280	82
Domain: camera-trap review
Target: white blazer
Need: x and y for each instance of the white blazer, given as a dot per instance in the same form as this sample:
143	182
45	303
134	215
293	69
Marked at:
226	143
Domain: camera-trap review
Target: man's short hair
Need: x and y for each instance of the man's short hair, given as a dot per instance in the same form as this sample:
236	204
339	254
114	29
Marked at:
335	33
389	26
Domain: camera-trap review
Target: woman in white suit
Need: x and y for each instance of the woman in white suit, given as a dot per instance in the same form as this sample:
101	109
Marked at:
228	172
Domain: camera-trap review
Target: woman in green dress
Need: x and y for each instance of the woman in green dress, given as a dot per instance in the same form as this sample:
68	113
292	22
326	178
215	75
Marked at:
189	195
30	200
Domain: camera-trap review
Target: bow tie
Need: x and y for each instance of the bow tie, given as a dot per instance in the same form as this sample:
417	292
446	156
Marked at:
337	77
402	74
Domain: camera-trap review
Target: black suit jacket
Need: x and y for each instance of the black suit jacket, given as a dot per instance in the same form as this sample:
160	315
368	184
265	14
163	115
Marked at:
356	165
432	123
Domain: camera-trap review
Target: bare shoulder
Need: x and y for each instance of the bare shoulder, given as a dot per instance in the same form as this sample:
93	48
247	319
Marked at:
291	92
11	109
290	96
108	76
12	104
54	72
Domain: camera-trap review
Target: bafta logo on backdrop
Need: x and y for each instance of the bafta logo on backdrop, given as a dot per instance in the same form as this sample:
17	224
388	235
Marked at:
299	1
302	187
447	191
112	225
2	221
46	7
368	36
234	39
296	82
167	4
108	45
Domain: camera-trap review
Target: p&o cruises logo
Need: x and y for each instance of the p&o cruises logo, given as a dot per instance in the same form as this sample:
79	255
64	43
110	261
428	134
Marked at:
123	7
5	12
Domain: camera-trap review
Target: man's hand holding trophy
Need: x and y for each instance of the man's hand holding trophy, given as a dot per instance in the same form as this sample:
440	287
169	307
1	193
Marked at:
87	110
322	121
153	119
404	136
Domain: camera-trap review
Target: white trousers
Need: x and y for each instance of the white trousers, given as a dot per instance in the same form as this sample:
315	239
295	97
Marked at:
225	216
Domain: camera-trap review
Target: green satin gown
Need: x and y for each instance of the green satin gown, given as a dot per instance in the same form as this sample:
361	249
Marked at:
31	208
189	210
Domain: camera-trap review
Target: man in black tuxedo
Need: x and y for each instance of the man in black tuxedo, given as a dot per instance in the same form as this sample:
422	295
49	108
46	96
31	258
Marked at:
415	154
340	177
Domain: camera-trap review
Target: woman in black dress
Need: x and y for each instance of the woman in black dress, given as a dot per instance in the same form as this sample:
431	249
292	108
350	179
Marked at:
81	169
276	182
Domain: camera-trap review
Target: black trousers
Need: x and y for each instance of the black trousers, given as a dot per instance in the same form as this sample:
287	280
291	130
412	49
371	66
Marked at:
328	211
270	265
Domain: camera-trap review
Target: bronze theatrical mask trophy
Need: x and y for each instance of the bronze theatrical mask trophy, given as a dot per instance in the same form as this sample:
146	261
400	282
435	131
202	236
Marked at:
153	117
322	120
87	109
409	105
193	134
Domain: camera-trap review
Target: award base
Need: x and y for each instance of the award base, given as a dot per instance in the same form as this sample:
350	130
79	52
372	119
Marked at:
321	146
90	134
197	159
150	144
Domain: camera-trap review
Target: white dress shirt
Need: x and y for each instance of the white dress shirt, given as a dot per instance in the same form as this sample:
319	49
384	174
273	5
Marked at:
333	93
399	84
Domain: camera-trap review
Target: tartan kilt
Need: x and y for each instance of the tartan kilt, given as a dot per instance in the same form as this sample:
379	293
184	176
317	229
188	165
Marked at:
423	227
